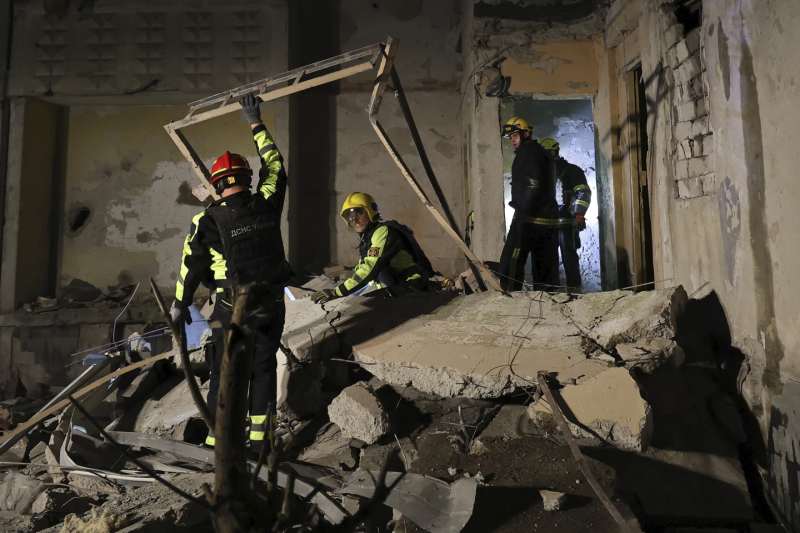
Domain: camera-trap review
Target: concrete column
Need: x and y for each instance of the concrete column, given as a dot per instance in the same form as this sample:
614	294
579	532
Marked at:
486	162
8	264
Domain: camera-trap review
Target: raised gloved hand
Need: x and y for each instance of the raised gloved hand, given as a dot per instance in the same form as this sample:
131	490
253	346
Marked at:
181	314
580	223
252	112
324	296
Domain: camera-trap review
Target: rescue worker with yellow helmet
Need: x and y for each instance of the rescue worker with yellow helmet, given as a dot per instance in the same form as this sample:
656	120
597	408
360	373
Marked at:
390	254
533	197
575	199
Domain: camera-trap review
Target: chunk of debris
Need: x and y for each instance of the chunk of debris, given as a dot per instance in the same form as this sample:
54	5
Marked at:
79	291
334	272
374	456
331	449
18	492
608	405
507	424
161	413
649	355
552	500
359	414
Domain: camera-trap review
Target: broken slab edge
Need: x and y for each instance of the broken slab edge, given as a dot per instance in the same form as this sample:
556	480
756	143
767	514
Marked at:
442	381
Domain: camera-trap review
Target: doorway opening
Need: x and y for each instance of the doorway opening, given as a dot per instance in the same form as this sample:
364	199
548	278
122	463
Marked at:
641	267
570	123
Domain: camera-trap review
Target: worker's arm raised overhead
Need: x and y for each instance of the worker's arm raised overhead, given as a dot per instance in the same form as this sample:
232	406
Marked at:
272	180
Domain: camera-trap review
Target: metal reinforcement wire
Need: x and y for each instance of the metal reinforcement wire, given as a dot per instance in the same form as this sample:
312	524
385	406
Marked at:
106	347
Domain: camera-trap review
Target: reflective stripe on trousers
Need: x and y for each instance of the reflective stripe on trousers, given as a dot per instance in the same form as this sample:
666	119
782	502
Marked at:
258	429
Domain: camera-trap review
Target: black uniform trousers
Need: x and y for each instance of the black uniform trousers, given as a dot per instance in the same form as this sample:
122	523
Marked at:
569	241
525	239
263	382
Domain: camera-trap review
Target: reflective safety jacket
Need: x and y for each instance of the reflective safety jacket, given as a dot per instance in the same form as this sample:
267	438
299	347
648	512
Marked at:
391	255
237	239
575	192
533	194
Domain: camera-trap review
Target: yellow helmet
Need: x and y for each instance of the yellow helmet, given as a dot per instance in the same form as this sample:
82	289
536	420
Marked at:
516	125
360	199
548	143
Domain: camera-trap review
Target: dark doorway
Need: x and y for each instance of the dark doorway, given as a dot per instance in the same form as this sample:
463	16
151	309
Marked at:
641	272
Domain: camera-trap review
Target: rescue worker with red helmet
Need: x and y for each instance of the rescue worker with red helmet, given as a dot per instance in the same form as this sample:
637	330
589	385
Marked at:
533	197
237	240
390	254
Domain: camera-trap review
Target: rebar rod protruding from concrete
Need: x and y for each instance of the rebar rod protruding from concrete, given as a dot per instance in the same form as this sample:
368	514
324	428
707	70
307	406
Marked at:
576	452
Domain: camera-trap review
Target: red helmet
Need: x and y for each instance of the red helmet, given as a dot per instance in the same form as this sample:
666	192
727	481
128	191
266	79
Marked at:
229	164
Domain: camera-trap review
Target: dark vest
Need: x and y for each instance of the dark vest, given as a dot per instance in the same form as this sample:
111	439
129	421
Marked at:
251	241
387	277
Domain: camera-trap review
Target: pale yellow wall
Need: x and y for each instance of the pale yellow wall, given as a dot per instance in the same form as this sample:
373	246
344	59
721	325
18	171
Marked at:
35	205
563	68
124	167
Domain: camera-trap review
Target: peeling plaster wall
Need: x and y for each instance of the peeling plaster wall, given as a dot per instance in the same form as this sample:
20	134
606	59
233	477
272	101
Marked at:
122	166
429	66
742	238
561	68
113	63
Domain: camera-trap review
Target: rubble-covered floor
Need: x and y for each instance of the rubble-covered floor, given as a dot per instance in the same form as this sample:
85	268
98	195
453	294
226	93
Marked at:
449	382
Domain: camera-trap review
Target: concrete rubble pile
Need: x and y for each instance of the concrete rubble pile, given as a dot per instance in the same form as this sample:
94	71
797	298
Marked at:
490	345
365	385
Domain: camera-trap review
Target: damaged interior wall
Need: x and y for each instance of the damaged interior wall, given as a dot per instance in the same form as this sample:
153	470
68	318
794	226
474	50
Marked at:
118	75
429	66
736	231
138	188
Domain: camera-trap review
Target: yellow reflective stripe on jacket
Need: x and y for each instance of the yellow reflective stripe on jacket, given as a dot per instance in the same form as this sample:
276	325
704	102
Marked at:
365	266
581	187
211	441
581	202
218	265
543	221
272	160
187	251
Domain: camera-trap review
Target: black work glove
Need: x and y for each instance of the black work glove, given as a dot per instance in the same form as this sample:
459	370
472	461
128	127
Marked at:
181	314
252	112
580	223
324	296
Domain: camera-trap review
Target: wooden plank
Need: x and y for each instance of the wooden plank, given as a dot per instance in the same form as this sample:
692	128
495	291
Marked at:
24	428
490	280
194	160
272	95
384	70
348	57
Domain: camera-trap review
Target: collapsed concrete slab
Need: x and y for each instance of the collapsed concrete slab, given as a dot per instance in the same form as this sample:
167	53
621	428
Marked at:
487	345
359	414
